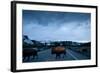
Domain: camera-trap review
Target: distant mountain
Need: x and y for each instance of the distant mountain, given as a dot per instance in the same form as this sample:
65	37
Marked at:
85	44
37	43
27	40
28	43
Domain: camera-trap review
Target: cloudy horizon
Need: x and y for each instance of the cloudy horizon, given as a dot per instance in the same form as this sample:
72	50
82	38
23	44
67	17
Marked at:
57	26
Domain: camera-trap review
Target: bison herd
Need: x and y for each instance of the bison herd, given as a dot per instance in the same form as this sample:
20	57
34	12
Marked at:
33	53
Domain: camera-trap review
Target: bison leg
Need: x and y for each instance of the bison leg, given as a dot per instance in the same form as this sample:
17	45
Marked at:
24	58
33	57
37	56
64	54
28	58
57	56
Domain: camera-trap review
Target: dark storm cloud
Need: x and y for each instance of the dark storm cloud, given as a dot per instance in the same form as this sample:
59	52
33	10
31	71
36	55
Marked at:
46	17
46	25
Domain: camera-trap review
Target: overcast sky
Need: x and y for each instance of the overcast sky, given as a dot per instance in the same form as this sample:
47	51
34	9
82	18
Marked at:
56	26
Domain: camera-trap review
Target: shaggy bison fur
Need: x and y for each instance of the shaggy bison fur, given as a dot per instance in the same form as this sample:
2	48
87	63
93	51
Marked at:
58	51
27	53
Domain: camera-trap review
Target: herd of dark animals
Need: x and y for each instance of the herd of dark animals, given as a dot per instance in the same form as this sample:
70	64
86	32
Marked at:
27	53
58	51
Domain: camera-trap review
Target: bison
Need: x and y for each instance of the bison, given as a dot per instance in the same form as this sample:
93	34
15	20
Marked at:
27	53
58	51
